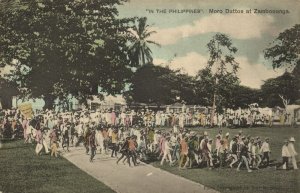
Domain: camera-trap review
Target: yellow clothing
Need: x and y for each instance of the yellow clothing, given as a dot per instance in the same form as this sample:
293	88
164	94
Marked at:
114	137
54	149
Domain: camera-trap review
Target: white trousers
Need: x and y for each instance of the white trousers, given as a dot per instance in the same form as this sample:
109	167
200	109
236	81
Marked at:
46	146
166	154
294	162
38	148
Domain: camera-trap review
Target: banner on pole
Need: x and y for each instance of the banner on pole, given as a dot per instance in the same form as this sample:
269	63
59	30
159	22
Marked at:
26	109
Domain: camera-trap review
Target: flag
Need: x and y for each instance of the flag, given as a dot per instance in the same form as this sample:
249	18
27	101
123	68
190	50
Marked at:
26	109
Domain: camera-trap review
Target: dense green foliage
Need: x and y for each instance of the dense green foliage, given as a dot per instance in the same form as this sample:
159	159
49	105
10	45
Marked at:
62	47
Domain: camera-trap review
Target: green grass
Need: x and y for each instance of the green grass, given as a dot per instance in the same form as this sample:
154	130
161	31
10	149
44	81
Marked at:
265	180
22	171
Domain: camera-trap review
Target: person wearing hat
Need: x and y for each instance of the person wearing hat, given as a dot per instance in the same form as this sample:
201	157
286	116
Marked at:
226	141
285	153
265	149
293	152
218	141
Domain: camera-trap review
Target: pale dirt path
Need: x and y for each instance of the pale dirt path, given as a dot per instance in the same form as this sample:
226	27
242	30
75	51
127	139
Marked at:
140	179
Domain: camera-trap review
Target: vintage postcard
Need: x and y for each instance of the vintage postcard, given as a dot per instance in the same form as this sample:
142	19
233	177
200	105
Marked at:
142	96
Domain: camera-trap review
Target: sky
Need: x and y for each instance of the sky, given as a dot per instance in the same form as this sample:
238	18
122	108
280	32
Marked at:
183	36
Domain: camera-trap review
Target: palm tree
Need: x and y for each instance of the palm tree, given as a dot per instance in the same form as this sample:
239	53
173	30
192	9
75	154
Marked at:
139	51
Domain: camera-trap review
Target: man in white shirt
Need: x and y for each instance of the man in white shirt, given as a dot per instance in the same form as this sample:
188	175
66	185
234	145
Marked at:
285	156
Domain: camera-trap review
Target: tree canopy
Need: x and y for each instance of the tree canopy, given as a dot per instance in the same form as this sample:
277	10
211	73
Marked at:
153	84
62	47
285	49
8	89
222	70
287	86
139	51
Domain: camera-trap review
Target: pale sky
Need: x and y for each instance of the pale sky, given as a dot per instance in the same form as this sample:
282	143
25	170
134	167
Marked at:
186	34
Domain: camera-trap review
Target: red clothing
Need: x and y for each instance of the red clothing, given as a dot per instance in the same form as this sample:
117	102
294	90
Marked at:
184	147
53	136
131	145
39	136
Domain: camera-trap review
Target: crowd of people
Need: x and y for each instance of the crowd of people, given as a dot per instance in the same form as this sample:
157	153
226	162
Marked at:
133	136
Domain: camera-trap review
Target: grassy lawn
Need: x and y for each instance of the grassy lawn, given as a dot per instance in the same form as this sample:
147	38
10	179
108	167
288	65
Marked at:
259	181
22	171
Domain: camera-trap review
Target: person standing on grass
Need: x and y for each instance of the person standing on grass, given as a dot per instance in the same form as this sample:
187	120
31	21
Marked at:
46	140
221	153
234	151
265	149
184	153
293	152
285	156
243	156
114	141
54	147
218	142
92	144
100	140
255	153
167	152
39	141
162	145
206	151
176	149
226	141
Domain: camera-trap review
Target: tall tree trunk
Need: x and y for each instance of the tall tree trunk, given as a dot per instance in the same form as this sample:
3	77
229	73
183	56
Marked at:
143	58
212	114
